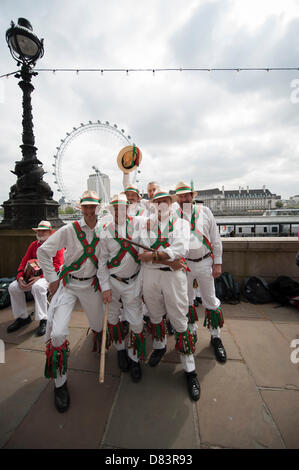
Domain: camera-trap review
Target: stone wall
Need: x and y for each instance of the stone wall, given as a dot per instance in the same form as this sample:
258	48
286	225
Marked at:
266	257
242	257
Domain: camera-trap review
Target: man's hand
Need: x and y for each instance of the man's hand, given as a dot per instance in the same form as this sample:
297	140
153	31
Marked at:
52	287
216	270
32	280
146	256
107	296
22	283
176	264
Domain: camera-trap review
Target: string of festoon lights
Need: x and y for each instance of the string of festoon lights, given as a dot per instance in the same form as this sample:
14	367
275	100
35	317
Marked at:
101	71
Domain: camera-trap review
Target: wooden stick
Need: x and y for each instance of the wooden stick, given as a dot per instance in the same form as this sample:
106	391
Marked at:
103	345
138	244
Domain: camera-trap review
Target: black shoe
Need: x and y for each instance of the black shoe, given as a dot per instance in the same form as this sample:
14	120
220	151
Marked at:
42	328
126	327
219	349
123	360
16	325
156	356
193	385
169	328
135	370
61	398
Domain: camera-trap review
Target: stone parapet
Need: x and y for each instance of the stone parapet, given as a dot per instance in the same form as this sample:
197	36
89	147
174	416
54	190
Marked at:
266	257
242	257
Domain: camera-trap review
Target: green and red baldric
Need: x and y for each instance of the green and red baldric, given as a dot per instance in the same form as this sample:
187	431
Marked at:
161	239
125	246
88	252
140	211
197	233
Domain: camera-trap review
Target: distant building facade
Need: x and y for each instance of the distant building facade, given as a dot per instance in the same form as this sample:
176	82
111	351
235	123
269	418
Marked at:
100	183
238	201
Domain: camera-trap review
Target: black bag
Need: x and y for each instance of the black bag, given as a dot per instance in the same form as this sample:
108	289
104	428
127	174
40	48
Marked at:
4	294
283	289
227	289
256	290
297	258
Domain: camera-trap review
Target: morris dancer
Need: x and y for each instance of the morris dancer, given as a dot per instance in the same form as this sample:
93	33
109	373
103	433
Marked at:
119	276
204	260
77	280
166	289
36	284
134	198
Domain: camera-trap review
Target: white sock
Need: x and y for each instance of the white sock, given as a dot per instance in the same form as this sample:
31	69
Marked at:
120	346
133	356
188	362
159	344
215	332
61	379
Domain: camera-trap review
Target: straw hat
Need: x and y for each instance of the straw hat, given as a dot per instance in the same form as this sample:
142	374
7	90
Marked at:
43	225
129	158
89	198
134	189
118	200
161	192
183	188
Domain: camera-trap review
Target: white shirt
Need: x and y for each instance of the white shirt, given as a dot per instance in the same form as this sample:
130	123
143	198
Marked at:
178	239
205	224
109	248
66	238
137	209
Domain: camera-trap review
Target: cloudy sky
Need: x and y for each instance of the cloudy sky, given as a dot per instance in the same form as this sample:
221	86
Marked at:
224	128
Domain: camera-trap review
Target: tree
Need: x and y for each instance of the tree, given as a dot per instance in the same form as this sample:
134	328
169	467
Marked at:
70	210
278	204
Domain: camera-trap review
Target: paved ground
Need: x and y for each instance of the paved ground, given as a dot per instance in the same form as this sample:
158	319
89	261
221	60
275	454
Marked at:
250	402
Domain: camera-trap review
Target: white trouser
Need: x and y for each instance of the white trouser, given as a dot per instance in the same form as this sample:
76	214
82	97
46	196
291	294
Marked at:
61	308
18	299
167	290
130	294
202	272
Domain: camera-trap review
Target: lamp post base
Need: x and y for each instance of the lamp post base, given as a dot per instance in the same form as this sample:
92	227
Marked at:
25	214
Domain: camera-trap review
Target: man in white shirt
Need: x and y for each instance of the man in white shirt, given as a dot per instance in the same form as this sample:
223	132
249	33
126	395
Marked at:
76	281
134	198
165	287
145	204
204	261
120	279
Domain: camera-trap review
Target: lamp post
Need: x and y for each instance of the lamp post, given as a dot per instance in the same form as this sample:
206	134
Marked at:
30	199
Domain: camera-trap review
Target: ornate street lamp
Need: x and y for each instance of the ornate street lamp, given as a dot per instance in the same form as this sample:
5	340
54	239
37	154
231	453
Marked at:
30	199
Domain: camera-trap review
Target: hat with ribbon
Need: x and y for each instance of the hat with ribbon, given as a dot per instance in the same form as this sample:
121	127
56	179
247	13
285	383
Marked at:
129	158
160	193
43	225
89	198
118	200
184	188
134	189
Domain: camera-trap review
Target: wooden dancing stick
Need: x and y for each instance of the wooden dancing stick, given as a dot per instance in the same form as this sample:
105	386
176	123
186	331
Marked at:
102	357
146	248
